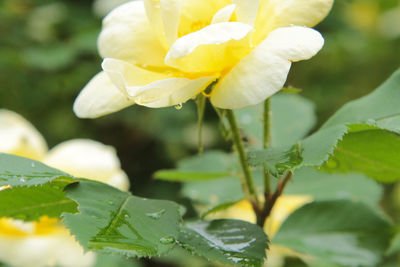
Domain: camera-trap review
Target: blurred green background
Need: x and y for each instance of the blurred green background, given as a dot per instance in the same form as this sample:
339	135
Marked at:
48	53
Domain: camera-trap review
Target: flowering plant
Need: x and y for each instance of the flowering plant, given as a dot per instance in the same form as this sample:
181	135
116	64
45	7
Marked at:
283	192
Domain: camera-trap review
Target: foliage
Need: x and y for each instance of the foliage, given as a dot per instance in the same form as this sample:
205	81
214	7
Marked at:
110	221
42	72
354	138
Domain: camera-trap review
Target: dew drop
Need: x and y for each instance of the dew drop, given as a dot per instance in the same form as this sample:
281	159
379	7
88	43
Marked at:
126	216
155	215
167	240
179	106
33	164
22	179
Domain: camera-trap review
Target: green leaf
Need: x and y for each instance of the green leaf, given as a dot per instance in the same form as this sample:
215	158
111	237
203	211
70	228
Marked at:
325	186
214	189
115	222
207	166
343	232
227	241
31	203
115	261
180	257
36	189
292	117
318	147
394	245
219	207
183	176
372	152
276	160
379	106
19	171
361	137
291	90
214	192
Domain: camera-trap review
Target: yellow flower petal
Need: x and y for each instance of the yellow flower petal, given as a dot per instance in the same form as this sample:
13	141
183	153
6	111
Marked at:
175	18
20	137
264	71
198	14
130	78
210	49
284	206
151	88
100	97
128	35
247	10
171	10
282	13
87	158
164	16
173	91
224	14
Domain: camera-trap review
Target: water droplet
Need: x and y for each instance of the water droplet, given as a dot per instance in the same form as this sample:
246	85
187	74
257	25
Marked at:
155	215
127	216
167	240
179	106
33	164
332	163
22	179
109	202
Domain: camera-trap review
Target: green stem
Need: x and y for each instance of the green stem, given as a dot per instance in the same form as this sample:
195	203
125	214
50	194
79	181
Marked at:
266	144
248	181
201	104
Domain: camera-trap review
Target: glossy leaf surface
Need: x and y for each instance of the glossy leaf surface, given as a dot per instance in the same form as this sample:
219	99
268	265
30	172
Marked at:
227	241
114	222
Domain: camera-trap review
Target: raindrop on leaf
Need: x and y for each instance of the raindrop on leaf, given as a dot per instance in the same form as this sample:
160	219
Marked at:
167	240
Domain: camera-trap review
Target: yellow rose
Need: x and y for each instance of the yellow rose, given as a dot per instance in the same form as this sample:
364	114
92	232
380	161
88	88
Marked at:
160	53
47	242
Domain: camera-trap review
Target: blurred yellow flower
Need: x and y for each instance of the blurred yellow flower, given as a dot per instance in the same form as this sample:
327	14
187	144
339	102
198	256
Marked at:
363	14
160	53
48	242
284	206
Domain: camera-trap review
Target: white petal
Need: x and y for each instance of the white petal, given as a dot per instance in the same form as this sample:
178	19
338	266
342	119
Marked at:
120	180
100	97
128	35
20	137
46	245
247	10
224	14
86	158
264	71
210	49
